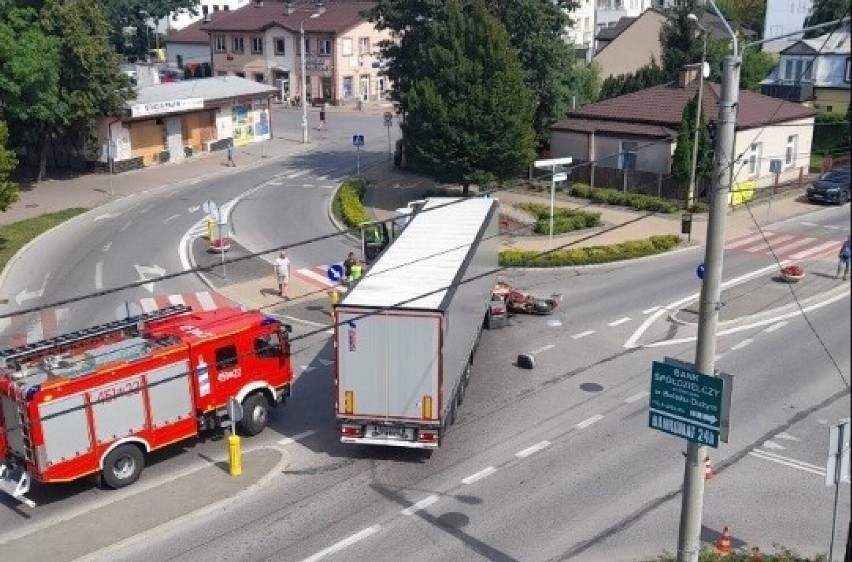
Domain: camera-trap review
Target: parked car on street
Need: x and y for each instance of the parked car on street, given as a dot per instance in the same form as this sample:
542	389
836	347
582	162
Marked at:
831	187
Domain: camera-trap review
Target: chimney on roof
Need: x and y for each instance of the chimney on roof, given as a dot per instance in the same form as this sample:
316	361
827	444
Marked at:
258	3
290	8
688	74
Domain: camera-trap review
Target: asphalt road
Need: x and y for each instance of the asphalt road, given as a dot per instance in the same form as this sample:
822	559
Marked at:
550	464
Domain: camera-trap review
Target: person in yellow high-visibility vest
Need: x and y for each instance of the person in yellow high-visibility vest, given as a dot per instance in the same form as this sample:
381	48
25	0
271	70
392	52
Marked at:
356	271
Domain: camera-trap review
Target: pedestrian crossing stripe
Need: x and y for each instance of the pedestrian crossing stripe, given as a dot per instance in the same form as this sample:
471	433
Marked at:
315	276
787	246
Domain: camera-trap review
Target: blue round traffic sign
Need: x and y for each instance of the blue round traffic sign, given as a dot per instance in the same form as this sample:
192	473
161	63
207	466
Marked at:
699	271
335	272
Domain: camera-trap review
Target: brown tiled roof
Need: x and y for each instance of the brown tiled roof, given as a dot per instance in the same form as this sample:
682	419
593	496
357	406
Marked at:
193	32
654	110
611	32
338	17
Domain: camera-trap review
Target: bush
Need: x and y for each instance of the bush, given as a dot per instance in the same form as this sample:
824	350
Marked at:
637	201
564	219
349	202
590	255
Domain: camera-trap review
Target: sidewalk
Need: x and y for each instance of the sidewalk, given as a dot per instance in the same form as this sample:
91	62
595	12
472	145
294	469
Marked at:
391	188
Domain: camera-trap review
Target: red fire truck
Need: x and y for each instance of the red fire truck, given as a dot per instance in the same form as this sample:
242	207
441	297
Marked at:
94	402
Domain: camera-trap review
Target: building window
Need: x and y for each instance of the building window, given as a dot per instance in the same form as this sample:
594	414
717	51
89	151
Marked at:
324	47
215	8
257	45
221	73
205	11
226	7
219	43
848	69
754	159
240	74
307	46
798	70
259	77
346	47
363	45
348	86
627	155
790	154
238	45
226	357
280	46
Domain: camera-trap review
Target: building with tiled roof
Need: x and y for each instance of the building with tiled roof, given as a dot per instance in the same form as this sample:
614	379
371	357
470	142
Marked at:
638	131
189	48
342	56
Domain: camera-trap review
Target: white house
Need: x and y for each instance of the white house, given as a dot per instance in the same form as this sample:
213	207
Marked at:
581	32
608	12
204	8
782	17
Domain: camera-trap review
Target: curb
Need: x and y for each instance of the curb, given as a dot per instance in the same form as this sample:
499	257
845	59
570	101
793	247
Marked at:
108	553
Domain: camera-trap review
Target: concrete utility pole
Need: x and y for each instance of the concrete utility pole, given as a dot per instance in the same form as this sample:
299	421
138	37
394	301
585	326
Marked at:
689	533
303	52
690	197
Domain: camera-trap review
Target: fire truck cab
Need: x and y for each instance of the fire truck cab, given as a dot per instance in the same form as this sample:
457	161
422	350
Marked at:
94	402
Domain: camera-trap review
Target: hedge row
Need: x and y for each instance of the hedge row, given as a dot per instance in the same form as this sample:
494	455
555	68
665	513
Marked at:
564	220
349	202
636	201
709	554
590	255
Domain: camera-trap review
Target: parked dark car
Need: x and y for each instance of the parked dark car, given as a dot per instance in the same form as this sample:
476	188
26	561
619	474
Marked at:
831	187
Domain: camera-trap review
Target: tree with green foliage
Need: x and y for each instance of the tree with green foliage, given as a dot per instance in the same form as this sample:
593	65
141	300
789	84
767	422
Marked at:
751	14
469	114
681	43
137	17
682	158
535	30
8	188
647	76
824	11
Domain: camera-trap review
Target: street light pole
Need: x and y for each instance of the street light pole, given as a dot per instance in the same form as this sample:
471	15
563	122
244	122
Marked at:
692	504
690	196
302	50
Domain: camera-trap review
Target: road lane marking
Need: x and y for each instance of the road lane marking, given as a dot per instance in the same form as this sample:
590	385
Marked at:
297	174
125	227
534	449
347	542
786	461
99	275
769	444
298	437
747	240
582	334
815	250
308	185
766	246
484	473
148	304
652	309
205	299
542	348
635	397
421	505
776	326
742	344
809	223
787	247
146	209
176	299
171	218
589	421
619	322
787	436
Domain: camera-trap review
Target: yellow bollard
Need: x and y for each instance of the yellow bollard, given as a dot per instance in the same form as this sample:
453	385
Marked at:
211	225
334	296
235	462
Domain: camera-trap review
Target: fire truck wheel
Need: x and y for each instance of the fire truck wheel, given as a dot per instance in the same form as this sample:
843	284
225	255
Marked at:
123	466
255	414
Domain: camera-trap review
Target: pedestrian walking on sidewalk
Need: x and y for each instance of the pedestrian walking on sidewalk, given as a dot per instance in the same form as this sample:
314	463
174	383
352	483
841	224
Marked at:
843	257
281	268
231	154
322	125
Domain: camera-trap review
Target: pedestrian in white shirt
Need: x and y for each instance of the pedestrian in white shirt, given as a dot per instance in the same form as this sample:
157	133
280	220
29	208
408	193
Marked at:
281	268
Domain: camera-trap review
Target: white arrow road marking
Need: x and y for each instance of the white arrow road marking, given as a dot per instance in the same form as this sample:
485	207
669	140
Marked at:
421	505
26	295
635	397
348	541
99	275
773	445
787	436
105	216
787	461
632	340
146	272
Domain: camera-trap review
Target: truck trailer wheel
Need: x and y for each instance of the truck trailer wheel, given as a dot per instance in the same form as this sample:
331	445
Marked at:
255	414
123	466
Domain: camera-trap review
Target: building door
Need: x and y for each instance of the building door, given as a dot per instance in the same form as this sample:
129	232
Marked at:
365	88
327	88
381	86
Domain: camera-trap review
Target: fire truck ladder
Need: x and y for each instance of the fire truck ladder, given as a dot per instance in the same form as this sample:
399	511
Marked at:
17	354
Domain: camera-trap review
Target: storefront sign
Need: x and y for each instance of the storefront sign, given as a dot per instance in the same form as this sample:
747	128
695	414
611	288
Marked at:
161	107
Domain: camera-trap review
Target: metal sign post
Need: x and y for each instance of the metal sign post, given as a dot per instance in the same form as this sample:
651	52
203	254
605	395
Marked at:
837	469
388	122
358	142
110	149
554	177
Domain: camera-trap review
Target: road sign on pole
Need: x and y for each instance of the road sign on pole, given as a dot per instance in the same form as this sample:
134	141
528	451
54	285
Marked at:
388	122
686	403
335	272
358	142
555	176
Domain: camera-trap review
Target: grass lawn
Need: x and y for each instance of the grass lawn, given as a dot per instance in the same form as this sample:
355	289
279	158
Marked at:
14	236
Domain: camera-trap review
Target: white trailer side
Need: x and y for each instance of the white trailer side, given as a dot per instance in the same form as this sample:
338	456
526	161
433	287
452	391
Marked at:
407	330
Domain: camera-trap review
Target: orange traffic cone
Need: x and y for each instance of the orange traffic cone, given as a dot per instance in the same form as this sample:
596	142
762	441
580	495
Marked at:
756	556
724	544
708	469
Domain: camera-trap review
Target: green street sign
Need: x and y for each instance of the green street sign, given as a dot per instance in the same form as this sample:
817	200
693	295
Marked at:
685	403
